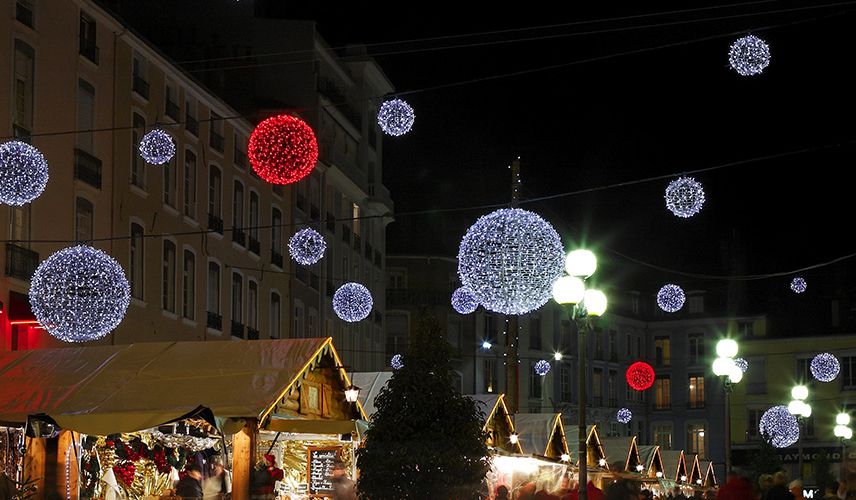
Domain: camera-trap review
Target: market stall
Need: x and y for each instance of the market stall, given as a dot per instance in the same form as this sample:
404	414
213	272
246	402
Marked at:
708	474
598	468
675	471
622	454
133	417
497	422
650	456
541	434
695	475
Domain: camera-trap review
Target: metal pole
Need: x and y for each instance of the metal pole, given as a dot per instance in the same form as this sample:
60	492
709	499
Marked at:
799	449
727	385
512	358
583	451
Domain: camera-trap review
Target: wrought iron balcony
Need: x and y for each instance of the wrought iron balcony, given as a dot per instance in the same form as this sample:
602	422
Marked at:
276	258
215	321
255	246
215	223
239	237
141	86
21	262
252	334
237	329
87	168
172	110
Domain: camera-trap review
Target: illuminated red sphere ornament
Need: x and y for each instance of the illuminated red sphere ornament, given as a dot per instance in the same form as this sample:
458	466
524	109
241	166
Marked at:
640	376
283	149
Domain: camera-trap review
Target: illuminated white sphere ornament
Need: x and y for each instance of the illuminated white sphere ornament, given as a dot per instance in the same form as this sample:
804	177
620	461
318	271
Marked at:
157	147
749	55
684	197
463	301
780	426
742	364
671	298
396	362
624	415
23	173
352	302
510	259
825	367
798	285
395	117
307	246
79	294
542	367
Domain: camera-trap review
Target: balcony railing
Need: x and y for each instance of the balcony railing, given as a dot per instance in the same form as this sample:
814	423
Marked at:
215	321
21	262
239	237
252	334
237	329
172	110
662	405
141	86
276	258
87	168
331	223
24	14
215	223
695	405
241	159
191	125
89	50
255	246
217	141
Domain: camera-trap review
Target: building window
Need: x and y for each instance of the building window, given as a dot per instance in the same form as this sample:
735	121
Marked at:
276	232
253	305
169	184
22	118
696	388
746	328
24	12
597	387
215	191
663	435
216	132
188	285
213	288
88	38
696	304
848	371
662	393
628	352
662	351
803	375
237	298
85	116
489	366
140	83
298	332
695	439
275	315
138	165
754	414
189	184
171	101
565	375
254	216
19	225
613	345
598	344
137	261
612	388
83	218
168	285
535	333
696	349
536	382
238	206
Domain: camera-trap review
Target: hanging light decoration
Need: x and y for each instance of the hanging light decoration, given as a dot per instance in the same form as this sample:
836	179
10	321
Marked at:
352	302
509	259
463	301
825	367
157	147
542	367
282	149
395	117
396	362
684	197
798	285
742	364
780	426
624	415
640	376
23	173
749	55
79	294
307	246
671	298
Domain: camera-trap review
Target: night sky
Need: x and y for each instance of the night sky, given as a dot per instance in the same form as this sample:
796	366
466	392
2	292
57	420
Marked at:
620	119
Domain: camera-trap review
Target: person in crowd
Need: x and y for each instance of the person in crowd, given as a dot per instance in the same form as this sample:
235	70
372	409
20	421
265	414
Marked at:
765	482
737	488
678	494
592	492
502	492
831	491
265	475
344	488
779	490
218	484
190	486
796	489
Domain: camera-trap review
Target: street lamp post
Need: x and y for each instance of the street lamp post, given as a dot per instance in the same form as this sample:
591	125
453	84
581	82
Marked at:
581	305
725	368
843	432
802	410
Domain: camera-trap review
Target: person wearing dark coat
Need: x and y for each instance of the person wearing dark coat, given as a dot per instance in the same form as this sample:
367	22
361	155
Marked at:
190	485
779	491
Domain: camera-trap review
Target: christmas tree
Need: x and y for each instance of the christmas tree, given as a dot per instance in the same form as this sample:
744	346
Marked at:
765	460
426	439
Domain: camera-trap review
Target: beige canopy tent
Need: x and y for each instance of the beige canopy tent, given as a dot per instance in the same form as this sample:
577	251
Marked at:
594	447
674	465
650	456
497	421
622	454
541	434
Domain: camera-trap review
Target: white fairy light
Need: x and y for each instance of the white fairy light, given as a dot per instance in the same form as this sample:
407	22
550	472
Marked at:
742	364
542	367
395	117
624	415
23	173
352	302
307	246
780	426
157	147
684	197
825	367
463	301
396	362
749	55
671	298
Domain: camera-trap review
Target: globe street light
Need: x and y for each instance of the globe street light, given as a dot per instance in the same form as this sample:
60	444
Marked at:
581	305
802	410
726	369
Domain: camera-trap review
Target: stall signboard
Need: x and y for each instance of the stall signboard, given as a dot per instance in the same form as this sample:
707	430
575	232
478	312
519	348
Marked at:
320	463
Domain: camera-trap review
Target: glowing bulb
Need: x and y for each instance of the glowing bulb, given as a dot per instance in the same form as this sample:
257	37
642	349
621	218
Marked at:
842	419
602	462
639	468
659	474
486	345
726	348
565	457
722	366
735	374
683	477
568	290
557	356
513	438
581	263
799	392
595	302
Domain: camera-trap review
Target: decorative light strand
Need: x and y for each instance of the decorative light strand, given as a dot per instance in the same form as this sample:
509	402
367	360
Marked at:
624	415
463	301
79	294
779	426
157	147
749	55
542	367
396	362
307	246
352	302
509	259
640	376
23	173
825	367
742	364
282	149
671	298
395	117
798	285
684	197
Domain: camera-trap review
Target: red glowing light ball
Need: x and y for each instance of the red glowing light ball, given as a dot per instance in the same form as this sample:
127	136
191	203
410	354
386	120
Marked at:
640	376
282	149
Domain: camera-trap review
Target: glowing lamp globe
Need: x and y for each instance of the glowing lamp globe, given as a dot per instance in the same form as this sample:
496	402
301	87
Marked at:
542	367
396	362
157	147
79	294
463	301
848	433
749	55
839	431
683	478
806	411
486	345
352	394
352	302
601	462
659	474
735	374
640	376
684	197
23	173
595	302
568	290
395	117
726	348
842	419
799	392
581	263
624	415
510	259
825	367
282	149
558	356
671	298
307	246
723	366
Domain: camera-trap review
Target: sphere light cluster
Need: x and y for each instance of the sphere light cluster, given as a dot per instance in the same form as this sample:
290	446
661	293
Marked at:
825	367
749	55
307	246
640	376
23	173
396	362
742	364
684	197
542	367
624	415
779	426
463	301
798	285
395	117
352	302
282	149
671	298
157	147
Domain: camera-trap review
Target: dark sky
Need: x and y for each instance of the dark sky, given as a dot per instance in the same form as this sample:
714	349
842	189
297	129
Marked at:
624	118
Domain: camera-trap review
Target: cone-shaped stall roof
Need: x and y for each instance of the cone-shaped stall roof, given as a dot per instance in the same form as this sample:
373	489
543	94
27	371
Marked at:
497	421
674	464
622	453
649	454
541	434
